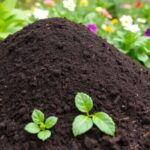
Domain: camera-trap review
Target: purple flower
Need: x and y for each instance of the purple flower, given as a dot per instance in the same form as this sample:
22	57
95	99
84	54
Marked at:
147	32
92	27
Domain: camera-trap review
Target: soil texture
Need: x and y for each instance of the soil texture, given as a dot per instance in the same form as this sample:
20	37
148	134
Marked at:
44	65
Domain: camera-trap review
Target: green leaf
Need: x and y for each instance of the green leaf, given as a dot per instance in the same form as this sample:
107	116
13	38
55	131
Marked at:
10	4
37	116
32	128
3	35
83	102
147	44
50	122
142	57
147	63
104	122
81	124
44	135
147	51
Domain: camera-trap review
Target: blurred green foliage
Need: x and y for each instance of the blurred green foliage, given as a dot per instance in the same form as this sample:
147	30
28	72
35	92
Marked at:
11	18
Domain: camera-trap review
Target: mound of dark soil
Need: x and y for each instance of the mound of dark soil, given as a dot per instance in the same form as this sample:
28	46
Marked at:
46	64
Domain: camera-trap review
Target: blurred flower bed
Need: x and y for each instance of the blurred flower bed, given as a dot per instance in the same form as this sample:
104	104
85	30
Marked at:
124	24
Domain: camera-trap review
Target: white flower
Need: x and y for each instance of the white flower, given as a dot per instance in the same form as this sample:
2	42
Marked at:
126	20
104	26
69	4
141	20
40	14
133	28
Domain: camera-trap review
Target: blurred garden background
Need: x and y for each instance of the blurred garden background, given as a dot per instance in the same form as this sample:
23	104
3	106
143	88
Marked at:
123	23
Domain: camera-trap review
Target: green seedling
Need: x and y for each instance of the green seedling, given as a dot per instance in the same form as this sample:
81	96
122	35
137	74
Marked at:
83	123
40	125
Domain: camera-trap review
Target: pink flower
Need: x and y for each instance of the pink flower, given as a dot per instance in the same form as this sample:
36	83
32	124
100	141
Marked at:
147	32
50	3
92	27
104	12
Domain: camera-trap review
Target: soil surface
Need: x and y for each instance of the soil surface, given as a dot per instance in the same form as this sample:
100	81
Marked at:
46	64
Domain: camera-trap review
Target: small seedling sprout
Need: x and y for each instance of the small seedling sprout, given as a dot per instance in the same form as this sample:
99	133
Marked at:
83	123
40	125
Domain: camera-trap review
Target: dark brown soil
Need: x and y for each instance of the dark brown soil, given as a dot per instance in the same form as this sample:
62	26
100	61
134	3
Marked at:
46	64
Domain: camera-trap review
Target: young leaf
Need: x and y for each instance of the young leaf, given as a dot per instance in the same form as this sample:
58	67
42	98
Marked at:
37	116
81	124
44	135
50	122
32	128
104	122
83	102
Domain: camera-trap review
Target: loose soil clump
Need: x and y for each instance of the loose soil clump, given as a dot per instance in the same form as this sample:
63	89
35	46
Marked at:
46	64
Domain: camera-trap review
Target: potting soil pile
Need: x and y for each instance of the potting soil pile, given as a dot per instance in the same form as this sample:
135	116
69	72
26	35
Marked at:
46	64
